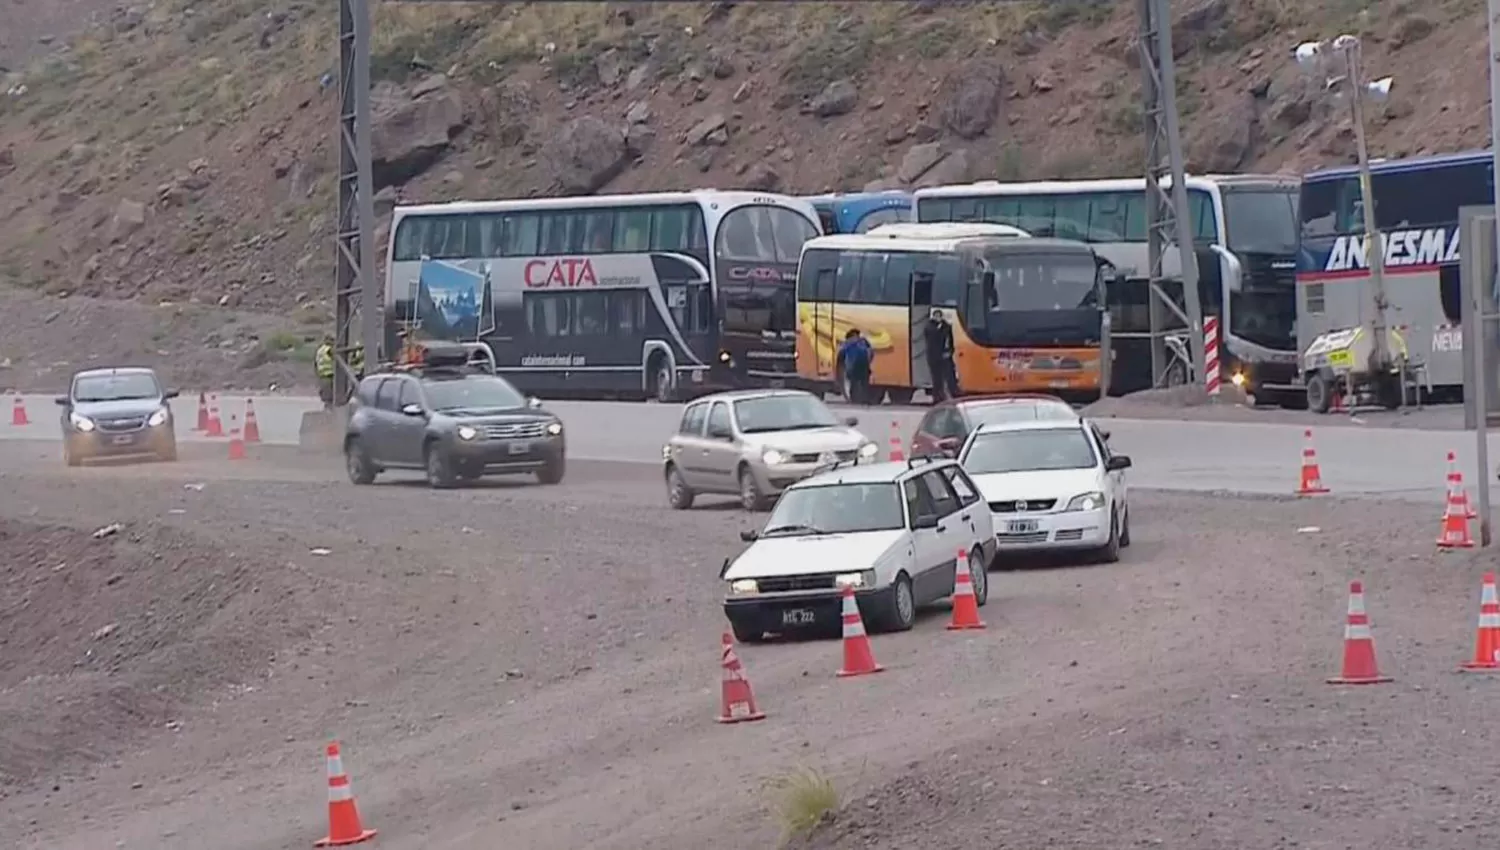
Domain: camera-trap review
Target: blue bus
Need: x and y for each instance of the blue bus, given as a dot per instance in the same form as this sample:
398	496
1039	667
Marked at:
859	212
1416	211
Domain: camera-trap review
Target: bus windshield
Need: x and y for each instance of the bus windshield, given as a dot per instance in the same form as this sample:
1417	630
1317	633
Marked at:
1043	281
1262	221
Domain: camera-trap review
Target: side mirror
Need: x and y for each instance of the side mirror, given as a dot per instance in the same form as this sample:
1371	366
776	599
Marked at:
922	522
1105	435
749	535
62	401
534	403
1117	463
851	421
170	394
412	410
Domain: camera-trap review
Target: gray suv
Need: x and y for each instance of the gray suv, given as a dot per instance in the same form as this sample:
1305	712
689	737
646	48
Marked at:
455	422
117	413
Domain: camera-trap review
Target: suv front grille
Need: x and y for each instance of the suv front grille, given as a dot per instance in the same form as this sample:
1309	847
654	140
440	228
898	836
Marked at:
1032	506
132	423
515	431
812	457
782	584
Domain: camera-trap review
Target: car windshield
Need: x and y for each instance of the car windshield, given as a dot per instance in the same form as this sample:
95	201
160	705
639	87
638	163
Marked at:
138	385
782	413
1028	451
835	509
999	412
473	392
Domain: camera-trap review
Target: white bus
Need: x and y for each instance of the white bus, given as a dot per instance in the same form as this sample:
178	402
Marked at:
1245	230
658	294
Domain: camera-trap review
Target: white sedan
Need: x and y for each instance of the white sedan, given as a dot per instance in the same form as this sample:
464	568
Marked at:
1051	486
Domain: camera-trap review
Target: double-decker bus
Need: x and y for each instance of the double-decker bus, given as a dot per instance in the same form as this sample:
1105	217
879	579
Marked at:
859	212
660	294
1245	232
1027	314
1416	212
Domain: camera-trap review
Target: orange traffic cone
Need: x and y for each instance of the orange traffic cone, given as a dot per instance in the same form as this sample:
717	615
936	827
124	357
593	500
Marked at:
202	425
343	817
18	412
1455	530
1312	477
1487	637
965	605
236	440
1456	482
859	659
897	454
252	428
1359	644
738	704
215	426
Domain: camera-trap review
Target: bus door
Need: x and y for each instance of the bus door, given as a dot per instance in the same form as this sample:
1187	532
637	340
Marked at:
921	310
826	339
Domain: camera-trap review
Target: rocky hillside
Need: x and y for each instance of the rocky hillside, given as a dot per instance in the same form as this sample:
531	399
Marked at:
182	151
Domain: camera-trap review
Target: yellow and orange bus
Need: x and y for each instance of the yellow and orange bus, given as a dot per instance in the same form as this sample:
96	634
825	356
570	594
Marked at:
1028	314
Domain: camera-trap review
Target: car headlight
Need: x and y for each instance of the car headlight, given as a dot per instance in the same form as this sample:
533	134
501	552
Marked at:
869	450
1086	502
554	428
466	432
773	457
82	423
744	586
158	418
854	580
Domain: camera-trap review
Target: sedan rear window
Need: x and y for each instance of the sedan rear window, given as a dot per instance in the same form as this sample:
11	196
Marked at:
1000	412
835	509
1029	451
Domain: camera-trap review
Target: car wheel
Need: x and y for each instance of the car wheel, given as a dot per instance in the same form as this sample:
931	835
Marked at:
979	577
1319	392
1110	553
745	633
553	472
751	499
1125	529
170	455
679	495
662	383
900	611
357	463
439	469
71	457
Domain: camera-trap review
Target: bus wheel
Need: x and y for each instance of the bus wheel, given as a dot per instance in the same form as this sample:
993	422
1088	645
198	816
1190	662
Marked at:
661	380
901	396
1319	392
1177	374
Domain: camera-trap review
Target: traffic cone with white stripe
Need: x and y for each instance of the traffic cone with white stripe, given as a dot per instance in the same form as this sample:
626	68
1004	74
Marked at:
965	604
343	816
1312	476
738	704
18	411
1359	644
859	659
897	453
202	426
236	440
252	425
215	424
1456	482
1487	638
1455	530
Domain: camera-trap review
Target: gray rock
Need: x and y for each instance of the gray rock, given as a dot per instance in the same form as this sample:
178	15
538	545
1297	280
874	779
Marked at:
837	98
638	139
586	154
409	135
129	217
762	177
508	111
705	128
637	77
953	168
918	160
638	113
609	67
971	97
428	84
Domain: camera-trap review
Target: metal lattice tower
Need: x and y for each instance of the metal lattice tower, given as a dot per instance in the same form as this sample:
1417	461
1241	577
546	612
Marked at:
357	292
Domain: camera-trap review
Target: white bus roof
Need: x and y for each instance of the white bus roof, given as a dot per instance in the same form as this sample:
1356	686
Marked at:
709	197
1113	184
933	245
944	230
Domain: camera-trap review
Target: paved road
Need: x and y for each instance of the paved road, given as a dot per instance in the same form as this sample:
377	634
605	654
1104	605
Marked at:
1194	456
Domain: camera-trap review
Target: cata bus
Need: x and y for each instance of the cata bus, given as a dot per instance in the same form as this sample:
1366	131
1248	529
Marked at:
1027	313
661	295
1416	212
859	212
1245	230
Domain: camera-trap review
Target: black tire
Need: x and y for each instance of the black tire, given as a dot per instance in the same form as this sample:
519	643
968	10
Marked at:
553	472
1177	374
357	463
439	468
1110	552
1319	391
979	577
1125	529
743	633
661	380
751	499
679	495
899	613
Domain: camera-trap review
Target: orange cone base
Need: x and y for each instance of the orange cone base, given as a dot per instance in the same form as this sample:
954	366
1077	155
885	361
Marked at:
1313	491
844	674
960	627
1462	544
1479	667
1369	680
341	842
741	718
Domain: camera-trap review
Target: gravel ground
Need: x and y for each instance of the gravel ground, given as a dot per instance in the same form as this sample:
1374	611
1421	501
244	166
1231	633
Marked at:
536	667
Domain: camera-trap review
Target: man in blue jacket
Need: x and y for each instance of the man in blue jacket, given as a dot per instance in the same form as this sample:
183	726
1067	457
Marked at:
855	358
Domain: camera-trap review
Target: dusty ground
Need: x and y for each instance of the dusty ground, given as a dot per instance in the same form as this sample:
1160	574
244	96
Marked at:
500	679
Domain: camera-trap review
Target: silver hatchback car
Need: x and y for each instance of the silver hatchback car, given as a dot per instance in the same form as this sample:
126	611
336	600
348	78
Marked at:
756	443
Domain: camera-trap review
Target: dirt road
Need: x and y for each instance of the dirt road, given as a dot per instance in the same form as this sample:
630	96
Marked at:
530	667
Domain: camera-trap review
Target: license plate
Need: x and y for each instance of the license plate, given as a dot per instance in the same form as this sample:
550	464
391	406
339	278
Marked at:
123	440
519	448
797	617
1021	526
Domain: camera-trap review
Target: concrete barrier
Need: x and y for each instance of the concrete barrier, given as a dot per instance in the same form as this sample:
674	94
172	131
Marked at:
322	431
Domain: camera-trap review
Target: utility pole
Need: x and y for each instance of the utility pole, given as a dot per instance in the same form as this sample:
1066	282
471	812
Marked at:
356	289
1167	217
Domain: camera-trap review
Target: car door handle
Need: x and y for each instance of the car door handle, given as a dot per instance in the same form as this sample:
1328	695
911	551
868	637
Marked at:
942	528
965	517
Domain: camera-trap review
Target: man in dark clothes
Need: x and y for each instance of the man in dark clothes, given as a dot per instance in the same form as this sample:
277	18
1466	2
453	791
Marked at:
855	357
939	337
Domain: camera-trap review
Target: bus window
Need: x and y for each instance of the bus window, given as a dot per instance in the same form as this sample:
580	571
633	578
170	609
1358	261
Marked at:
807	276
1201	211
632	231
898	271
677	229
629	311
791	232
558	233
1429	198
871	286
445	239
1318	208
1071	217
491	234
522	234
965	209
762	234
947	285
850	265
876	218
830	225
411	238
598	232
